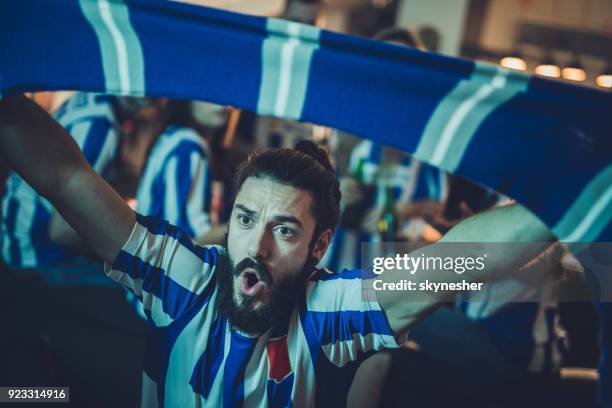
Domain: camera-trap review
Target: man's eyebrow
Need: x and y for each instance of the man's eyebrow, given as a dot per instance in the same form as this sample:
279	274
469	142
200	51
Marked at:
277	218
288	218
245	210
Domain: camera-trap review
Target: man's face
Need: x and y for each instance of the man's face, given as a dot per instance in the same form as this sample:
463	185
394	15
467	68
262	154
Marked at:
269	239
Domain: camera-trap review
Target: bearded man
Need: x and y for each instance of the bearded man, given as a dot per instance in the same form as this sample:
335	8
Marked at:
252	323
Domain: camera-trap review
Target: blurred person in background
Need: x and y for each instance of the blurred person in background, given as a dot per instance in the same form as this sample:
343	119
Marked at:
214	123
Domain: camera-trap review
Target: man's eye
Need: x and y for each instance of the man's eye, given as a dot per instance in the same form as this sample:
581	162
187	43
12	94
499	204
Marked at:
285	232
244	219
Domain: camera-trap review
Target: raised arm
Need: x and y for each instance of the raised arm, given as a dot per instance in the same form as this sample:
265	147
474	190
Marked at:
513	223
45	155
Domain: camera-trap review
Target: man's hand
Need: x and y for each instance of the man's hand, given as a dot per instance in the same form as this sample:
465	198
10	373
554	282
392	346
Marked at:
49	159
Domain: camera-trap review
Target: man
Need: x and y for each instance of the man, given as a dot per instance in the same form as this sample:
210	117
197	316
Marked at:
254	323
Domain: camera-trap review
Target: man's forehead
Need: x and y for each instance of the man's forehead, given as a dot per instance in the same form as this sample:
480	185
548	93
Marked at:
265	194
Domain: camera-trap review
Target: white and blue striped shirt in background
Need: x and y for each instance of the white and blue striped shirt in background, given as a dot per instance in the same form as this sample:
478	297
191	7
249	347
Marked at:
89	118
194	357
176	183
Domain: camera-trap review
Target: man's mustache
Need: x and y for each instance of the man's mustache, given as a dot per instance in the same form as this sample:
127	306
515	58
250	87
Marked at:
262	271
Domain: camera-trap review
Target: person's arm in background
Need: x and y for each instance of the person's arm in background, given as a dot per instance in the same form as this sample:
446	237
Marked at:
45	155
509	224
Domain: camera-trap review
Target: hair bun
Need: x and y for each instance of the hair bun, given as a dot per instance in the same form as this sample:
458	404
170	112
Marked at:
318	153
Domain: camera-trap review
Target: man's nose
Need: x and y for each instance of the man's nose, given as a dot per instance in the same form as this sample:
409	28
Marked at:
259	247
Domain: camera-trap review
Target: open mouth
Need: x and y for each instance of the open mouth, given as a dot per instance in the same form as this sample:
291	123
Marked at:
251	284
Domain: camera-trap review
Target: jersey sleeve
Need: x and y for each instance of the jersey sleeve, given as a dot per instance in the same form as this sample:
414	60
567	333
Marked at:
165	269
346	323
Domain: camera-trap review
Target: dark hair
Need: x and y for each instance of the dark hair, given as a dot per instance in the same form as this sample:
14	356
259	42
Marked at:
400	35
307	167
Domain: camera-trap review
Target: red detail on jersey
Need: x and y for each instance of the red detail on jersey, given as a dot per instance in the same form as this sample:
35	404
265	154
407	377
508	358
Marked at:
278	356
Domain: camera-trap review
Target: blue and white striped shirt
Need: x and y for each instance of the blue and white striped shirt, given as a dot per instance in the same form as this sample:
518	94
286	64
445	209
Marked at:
176	184
89	118
194	358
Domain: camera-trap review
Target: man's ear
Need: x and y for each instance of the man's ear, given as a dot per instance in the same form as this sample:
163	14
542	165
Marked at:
320	247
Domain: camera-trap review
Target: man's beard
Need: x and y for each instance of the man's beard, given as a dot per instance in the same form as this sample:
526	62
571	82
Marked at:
281	298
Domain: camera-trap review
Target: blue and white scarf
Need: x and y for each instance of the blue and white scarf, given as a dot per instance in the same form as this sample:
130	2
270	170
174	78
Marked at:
545	143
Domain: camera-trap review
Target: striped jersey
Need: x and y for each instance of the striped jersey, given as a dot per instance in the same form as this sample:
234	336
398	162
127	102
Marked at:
194	357
409	179
89	118
175	184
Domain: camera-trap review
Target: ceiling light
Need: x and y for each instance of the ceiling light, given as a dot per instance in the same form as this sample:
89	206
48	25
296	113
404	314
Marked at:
605	78
548	68
514	61
574	71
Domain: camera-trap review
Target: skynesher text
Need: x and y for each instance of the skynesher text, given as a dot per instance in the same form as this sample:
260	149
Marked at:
427	286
